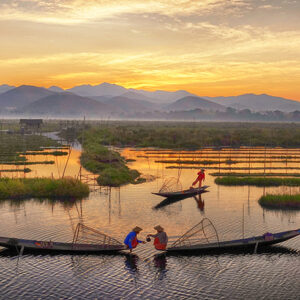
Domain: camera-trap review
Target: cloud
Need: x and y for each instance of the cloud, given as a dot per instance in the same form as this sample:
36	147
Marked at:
80	11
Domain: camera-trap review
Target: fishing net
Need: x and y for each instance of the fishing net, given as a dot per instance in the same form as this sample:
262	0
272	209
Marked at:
202	233
171	185
86	235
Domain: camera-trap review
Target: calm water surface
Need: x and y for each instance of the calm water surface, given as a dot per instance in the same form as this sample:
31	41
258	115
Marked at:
272	275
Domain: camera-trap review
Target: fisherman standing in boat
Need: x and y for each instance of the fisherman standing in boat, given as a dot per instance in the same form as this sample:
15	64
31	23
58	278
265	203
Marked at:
160	238
200	178
131	240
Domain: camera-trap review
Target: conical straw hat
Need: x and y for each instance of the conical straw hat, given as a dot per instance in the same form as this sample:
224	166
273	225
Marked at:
137	229
158	228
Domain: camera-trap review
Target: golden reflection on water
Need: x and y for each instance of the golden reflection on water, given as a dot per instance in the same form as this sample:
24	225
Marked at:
117	210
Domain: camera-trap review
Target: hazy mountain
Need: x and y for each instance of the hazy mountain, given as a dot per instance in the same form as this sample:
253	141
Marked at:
56	89
257	102
23	95
131	105
103	89
133	94
164	97
67	104
191	103
4	88
102	99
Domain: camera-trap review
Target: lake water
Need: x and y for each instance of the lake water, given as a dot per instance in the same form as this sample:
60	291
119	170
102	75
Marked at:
271	275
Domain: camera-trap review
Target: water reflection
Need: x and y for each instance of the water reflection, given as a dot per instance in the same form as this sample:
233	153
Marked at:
116	211
169	201
131	262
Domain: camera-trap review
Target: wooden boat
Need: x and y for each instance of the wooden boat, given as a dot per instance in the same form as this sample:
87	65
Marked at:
183	194
49	246
85	240
251	243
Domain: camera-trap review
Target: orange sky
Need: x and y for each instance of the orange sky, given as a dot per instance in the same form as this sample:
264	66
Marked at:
208	47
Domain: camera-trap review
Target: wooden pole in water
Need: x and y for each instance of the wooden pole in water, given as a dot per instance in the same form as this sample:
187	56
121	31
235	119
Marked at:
243	227
70	150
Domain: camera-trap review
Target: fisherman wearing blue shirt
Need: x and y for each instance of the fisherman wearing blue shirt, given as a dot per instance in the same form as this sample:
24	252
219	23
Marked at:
131	240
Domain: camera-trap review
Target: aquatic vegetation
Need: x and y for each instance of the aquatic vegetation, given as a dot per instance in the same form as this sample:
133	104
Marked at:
109	164
196	162
191	136
54	153
255	174
26	163
280	201
257	181
65	188
25	170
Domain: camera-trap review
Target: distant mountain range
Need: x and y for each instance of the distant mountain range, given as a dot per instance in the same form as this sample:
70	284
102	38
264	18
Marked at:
254	102
111	100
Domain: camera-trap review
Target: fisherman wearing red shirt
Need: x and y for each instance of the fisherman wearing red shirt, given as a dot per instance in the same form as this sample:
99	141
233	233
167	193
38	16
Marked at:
160	238
200	178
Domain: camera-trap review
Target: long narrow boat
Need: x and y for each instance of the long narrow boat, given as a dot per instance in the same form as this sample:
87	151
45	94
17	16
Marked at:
49	246
85	240
251	243
183	194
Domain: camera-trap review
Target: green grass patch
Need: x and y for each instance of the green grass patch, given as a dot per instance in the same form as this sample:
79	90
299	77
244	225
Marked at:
235	174
257	181
26	163
280	201
196	162
66	188
25	170
109	164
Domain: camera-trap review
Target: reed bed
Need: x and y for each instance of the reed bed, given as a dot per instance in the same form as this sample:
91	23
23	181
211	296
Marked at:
109	164
257	181
280	201
255	174
65	188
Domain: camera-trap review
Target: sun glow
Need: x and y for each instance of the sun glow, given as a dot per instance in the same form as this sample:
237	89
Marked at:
249	48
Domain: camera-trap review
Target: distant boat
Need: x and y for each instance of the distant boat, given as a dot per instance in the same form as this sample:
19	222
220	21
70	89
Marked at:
183	194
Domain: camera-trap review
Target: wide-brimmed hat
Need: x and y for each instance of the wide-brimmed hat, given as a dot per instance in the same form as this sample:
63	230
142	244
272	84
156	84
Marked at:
158	228
137	229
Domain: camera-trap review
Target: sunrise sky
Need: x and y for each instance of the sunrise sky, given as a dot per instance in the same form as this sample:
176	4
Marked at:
208	47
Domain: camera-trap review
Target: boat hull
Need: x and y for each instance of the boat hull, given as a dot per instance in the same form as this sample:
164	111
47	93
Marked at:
49	246
247	244
184	193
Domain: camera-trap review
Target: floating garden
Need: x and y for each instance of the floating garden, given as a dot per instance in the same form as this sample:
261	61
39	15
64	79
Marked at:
25	188
280	201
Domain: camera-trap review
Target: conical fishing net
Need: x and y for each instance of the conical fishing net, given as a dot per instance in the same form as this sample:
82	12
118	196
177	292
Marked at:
202	233
171	185
86	235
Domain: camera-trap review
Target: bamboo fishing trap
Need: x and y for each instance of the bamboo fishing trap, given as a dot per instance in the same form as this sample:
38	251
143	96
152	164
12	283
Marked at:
202	233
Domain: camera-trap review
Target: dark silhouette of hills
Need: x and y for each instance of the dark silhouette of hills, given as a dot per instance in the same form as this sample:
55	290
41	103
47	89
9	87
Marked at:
191	103
67	104
112	100
21	96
